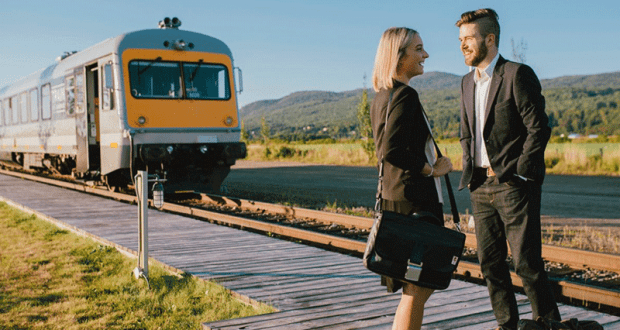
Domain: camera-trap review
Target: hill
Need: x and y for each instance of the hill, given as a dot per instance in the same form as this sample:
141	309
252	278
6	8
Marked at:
597	81
436	81
585	104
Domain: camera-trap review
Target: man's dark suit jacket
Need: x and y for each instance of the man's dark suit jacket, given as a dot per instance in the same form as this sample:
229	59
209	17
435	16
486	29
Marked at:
402	145
516	129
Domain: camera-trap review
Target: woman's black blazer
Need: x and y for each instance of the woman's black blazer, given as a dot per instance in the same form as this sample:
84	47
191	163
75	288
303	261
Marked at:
401	143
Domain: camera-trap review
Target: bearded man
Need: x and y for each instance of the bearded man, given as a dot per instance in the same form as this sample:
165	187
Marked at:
504	133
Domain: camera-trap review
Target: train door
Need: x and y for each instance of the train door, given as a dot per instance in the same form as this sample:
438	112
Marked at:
75	91
87	122
93	122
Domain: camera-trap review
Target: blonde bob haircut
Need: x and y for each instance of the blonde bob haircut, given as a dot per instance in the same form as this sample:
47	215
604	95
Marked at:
391	49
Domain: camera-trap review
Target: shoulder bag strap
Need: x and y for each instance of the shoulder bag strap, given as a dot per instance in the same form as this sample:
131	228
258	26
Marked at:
455	212
378	207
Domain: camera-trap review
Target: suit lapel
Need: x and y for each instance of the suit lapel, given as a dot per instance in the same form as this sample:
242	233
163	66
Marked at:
469	93
496	81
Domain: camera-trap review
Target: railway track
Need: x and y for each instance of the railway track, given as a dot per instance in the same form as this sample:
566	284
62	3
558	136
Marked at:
347	234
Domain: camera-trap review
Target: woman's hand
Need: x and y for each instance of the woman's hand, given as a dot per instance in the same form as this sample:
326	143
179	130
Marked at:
442	166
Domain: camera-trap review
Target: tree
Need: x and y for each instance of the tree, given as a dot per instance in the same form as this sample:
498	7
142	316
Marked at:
265	131
364	128
518	51
245	137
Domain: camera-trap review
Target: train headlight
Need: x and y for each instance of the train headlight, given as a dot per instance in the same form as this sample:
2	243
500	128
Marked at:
179	44
228	121
170	149
141	120
203	149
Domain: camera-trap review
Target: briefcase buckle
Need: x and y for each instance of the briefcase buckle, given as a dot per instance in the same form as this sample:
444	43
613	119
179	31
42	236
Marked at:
413	271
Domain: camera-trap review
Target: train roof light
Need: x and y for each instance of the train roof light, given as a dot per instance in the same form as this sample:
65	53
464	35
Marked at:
168	23
65	55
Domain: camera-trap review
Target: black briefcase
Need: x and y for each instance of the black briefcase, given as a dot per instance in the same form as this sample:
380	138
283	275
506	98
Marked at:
412	249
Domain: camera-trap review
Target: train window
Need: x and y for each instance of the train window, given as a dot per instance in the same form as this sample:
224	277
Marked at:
79	92
24	106
7	112
206	81
46	102
70	94
154	79
108	87
58	98
34	105
109	82
15	109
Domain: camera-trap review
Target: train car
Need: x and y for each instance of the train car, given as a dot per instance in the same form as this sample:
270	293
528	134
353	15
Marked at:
161	100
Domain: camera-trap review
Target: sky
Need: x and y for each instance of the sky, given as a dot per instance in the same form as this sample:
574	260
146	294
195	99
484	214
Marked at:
286	46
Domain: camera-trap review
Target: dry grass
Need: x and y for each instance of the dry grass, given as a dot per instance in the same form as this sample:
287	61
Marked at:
575	160
571	159
606	240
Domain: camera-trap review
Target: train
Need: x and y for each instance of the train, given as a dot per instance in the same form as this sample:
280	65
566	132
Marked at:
162	100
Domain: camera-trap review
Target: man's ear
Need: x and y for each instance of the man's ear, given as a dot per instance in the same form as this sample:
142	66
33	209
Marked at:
490	40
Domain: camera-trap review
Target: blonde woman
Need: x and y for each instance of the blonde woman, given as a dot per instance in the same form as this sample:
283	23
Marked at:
411	169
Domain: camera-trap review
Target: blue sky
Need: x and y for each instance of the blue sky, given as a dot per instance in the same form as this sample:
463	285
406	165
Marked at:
297	45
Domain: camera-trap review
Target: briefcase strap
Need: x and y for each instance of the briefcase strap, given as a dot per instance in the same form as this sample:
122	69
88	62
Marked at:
378	207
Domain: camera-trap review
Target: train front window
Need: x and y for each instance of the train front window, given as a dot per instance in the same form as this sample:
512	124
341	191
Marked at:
206	81
175	80
154	79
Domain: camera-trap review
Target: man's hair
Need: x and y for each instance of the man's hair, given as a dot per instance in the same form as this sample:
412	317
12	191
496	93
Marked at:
391	49
487	20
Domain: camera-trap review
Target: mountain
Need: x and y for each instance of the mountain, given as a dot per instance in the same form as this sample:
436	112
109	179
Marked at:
569	100
602	81
436	81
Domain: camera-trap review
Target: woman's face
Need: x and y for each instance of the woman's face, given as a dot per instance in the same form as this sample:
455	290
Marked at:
412	62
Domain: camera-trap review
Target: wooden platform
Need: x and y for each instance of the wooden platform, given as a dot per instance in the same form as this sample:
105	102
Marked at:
312	288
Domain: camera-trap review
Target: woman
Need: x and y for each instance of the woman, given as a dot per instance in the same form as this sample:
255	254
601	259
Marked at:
410	169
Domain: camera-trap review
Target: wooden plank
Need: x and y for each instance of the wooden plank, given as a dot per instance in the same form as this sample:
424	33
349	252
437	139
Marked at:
370	303
314	288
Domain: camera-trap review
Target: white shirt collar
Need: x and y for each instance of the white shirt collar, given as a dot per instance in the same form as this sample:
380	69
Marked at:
488	71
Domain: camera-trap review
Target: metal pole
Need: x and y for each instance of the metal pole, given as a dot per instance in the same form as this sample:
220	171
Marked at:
142	190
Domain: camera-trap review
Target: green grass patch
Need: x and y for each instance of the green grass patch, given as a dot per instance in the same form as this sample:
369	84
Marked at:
53	279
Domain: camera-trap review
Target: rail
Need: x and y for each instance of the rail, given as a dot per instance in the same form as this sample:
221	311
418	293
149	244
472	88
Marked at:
574	258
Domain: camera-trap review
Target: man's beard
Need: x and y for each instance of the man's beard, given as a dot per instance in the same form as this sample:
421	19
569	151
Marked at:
480	55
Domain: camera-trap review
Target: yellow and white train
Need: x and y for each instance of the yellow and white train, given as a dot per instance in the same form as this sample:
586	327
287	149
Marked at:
161	100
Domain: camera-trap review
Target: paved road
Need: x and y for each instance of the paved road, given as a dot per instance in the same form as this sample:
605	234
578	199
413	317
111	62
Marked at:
313	186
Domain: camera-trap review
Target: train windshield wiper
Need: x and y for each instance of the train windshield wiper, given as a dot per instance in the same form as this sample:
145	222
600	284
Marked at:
193	75
141	71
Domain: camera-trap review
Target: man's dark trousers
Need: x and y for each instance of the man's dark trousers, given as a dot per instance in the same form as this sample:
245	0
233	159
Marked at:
511	211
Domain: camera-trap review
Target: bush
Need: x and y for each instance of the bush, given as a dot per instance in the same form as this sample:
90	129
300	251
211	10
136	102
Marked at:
550	162
559	139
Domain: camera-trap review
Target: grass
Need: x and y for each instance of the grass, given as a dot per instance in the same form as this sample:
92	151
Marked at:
53	279
560	158
605	240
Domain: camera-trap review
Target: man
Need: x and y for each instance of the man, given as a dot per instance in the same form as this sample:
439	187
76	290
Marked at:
504	132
